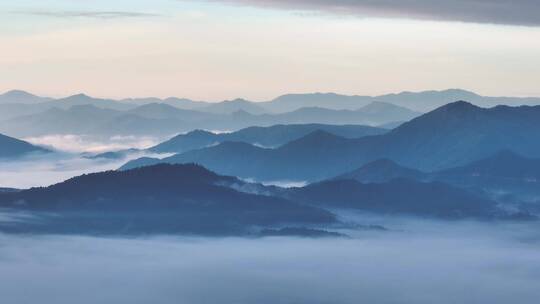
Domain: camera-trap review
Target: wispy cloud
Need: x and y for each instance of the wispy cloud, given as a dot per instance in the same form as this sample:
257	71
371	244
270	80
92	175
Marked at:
88	14
517	12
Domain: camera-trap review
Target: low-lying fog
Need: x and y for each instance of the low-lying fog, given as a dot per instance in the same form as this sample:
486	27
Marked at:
93	144
415	262
68	159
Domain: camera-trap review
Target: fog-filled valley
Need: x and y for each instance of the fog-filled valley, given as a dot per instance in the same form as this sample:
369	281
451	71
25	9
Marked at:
415	261
330	199
269	152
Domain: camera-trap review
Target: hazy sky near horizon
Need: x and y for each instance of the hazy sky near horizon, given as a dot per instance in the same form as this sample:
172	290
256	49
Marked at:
258	49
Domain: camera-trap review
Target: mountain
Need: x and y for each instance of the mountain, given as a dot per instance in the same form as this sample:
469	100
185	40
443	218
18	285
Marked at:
14	110
165	111
504	173
293	161
371	114
460	132
424	101
161	119
151	119
163	199
180	103
128	125
292	102
450	136
231	106
273	136
11	147
398	196
429	100
391	125
503	164
18	97
82	99
75	120
381	171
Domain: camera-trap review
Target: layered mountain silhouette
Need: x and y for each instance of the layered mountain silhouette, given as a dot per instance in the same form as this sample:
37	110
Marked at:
165	120
398	196
504	173
381	171
272	137
185	199
450	136
231	106
11	148
419	101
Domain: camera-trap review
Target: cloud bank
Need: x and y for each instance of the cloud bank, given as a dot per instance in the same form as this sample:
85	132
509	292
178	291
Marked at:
517	12
433	264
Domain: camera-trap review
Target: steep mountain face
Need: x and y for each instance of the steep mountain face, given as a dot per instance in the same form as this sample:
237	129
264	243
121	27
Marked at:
11	147
398	196
272	137
453	135
157	199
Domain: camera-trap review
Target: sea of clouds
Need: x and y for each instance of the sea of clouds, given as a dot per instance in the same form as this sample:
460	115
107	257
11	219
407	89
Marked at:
416	261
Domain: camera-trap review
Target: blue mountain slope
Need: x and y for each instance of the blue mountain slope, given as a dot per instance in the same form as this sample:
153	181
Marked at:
186	199
11	147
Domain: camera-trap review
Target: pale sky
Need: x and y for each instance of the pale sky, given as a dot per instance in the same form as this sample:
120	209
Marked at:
216	50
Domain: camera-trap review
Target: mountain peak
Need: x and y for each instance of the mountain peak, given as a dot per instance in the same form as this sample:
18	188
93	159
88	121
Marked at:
79	96
457	108
459	105
17	94
20	96
315	138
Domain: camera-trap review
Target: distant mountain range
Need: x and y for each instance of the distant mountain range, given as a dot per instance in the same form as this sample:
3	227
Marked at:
166	117
18	96
418	101
165	120
11	147
450	136
270	137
